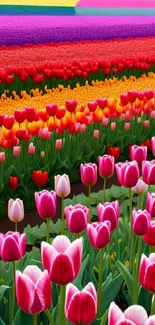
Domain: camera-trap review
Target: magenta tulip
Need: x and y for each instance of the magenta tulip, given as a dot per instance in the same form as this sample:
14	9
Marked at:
33	290
62	185
12	246
62	259
134	315
150	204
106	165
140	188
16	151
140	222
127	126
81	306
147	271
109	211
58	144
96	134
148	172
46	203
127	173
153	144
88	174
99	234
77	218
2	157
138	153
15	210
149	237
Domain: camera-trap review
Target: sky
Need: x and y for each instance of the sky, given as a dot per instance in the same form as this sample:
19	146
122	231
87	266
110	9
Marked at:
71	3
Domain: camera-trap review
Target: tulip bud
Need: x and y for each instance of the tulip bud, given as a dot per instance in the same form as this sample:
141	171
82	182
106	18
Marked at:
15	210
146	123
127	173
140	222
31	149
99	234
13	182
42	154
2	157
62	185
127	126
58	144
113	126
109	211
105	121
153	145
153	115
141	187
44	134
96	134
77	218
146	271
16	242
138	153
148	172
46	203
150	204
106	165
83	128
134	315
88	174
149	237
16	151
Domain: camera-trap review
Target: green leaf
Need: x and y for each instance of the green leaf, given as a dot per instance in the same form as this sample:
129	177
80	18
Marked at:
104	318
1	321
3	289
127	278
145	299
78	281
22	318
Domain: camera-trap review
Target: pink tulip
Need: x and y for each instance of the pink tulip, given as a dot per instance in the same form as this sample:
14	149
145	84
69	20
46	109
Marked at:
33	290
99	234
109	211
31	149
77	218
128	115
62	185
140	222
2	157
153	145
83	128
62	259
141	187
150	204
113	126
149	237
96	134
138	153
15	210
58	144
127	126
46	203
16	151
122	117
147	271
148	172
134	315
81	306
12	246
42	154
127	173
153	115
146	123
44	134
106	165
105	121
151	320
88	174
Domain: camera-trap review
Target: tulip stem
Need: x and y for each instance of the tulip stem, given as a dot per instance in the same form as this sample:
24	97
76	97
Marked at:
62	216
100	278
16	227
131	234
136	268
153	305
89	198
139	201
13	293
62	318
47	230
104	188
50	317
35	320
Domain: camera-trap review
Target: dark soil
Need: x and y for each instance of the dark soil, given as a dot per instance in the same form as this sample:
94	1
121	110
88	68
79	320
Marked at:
32	218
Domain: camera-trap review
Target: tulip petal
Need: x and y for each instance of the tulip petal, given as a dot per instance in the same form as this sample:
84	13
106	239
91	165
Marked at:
61	243
62	270
48	254
33	272
115	314
91	289
22	244
149	278
71	289
136	314
150	321
74	251
10	249
25	290
145	262
92	234
44	290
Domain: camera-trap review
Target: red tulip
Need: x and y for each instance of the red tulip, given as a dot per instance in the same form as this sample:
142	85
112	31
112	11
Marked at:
92	106
102	103
1	119
71	105
40	178
8	121
114	151
13	182
51	109
20	116
30	111
132	95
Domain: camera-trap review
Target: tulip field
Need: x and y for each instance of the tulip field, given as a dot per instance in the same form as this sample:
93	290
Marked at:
77	169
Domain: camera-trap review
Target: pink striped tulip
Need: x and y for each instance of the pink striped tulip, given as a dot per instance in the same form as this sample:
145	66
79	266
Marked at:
105	121
33	290
46	203
150	204
77	218
99	234
58	144
140	222
141	187
138	153
81	306
127	173
31	149
147	271
134	315
153	144
109	211
62	259
16	242
148	172
15	210
16	151
88	174
149	237
2	157
62	185
106	166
